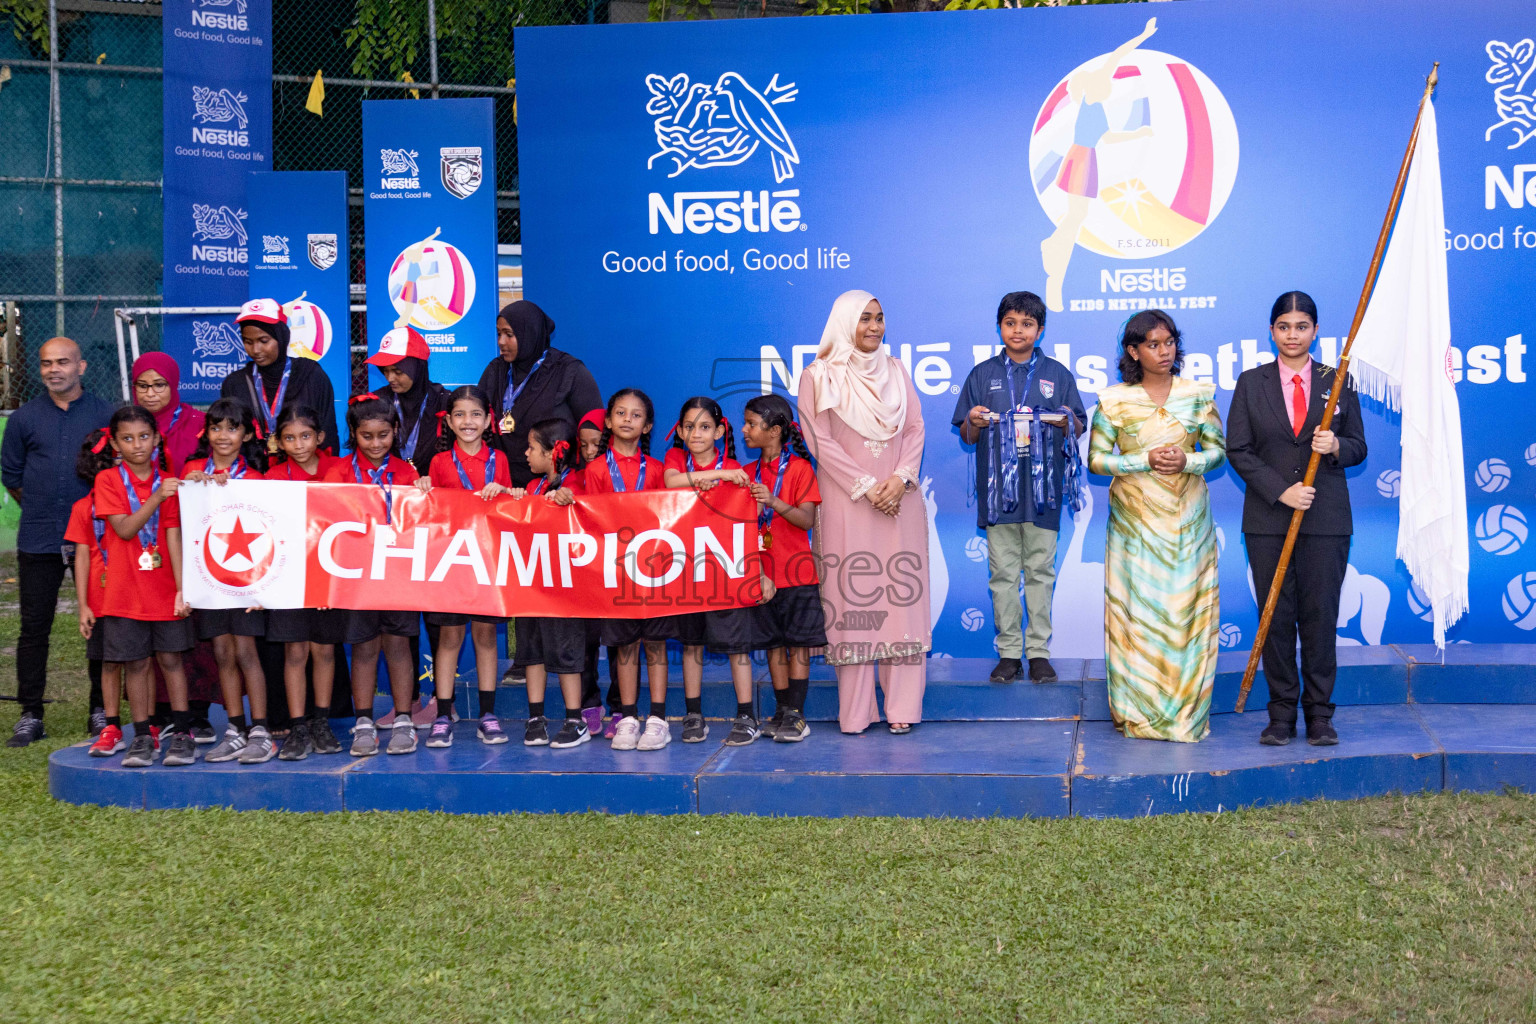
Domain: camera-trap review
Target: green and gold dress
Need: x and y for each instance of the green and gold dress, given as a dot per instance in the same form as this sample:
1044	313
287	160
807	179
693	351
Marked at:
1161	601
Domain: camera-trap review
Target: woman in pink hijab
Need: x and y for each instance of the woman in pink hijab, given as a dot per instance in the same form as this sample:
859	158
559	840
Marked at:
864	425
157	387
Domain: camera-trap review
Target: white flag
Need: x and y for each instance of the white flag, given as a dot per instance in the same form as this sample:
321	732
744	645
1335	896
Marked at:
1402	355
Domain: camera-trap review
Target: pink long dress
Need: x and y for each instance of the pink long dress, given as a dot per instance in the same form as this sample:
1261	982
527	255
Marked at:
874	567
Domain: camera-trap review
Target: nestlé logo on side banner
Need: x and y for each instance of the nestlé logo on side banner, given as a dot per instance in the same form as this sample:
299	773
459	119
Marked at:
220	106
274	249
216	349
322	251
461	170
1514	100
210	224
700	126
399	169
224	14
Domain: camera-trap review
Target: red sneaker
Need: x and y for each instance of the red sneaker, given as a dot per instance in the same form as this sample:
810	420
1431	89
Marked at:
108	742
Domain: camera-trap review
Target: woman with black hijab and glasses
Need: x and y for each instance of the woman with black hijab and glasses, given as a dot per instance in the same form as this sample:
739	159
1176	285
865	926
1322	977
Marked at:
530	381
402	359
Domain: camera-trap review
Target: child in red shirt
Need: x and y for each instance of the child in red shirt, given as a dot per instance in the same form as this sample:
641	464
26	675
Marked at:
143	614
85	532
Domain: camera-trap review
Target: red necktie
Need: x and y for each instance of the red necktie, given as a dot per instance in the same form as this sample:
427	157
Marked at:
1298	404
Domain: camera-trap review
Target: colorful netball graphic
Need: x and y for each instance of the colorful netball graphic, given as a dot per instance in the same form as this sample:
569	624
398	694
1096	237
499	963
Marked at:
431	284
309	329
1133	154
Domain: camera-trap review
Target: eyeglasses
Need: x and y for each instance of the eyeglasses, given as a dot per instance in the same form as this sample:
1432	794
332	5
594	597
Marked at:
147	387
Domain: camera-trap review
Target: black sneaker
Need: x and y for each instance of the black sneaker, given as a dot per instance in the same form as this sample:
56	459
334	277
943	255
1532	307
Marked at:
536	733
29	729
695	729
573	733
181	750
770	728
743	731
1041	670
96	721
1007	670
1320	733
321	739
141	752
297	746
514	676
203	732
1277	734
793	728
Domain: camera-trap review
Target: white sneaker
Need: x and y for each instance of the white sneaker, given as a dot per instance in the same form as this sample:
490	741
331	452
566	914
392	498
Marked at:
657	734
627	735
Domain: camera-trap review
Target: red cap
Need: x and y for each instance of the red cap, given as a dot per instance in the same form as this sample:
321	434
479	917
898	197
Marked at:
263	311
399	343
594	418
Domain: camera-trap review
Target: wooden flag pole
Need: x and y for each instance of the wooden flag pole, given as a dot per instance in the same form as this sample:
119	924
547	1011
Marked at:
1332	401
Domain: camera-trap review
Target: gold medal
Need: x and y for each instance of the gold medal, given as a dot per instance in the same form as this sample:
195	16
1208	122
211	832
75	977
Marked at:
272	444
508	423
148	560
765	540
103	579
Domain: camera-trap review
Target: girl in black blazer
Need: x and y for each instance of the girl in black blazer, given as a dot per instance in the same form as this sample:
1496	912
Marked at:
1272	431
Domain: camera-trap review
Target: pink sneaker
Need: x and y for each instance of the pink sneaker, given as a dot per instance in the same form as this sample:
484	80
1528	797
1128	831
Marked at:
612	727
593	717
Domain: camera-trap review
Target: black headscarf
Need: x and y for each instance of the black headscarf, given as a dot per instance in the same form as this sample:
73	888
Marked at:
272	375
411	400
533	329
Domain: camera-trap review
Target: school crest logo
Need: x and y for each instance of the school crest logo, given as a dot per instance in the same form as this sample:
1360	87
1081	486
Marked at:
219	106
722	125
238	548
1133	154
215	339
322	251
1047	389
461	170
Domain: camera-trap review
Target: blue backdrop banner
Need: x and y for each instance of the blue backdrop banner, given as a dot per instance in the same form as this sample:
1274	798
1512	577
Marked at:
299	256
695	195
218	126
429	209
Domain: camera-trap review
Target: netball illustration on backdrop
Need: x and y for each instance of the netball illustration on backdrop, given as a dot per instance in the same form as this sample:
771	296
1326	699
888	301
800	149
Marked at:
431	284
1131	202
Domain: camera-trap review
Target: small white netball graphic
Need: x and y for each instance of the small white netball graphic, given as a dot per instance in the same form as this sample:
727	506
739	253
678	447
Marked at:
1231	636
1530	455
1389	484
1501	530
1492	475
1520	601
972	619
976	549
1419	604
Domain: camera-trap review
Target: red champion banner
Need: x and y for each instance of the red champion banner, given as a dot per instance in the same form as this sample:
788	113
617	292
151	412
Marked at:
294	545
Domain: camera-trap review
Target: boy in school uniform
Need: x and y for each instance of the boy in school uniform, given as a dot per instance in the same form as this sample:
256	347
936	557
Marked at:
1023	539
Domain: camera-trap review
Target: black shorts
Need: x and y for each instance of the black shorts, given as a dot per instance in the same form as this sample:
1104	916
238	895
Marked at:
307	625
127	640
689	628
730	631
560	645
212	622
441	619
363	626
94	643
793	617
623	632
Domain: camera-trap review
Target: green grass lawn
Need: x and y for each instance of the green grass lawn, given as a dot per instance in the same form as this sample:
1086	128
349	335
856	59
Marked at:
1408	908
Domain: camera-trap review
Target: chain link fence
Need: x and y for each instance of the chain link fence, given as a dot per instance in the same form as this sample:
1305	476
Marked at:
80	170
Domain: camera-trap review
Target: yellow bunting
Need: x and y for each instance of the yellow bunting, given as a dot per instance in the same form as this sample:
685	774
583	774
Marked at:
316	102
415	93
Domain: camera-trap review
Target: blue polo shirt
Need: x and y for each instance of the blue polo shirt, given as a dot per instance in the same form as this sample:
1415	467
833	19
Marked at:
42	443
1054	386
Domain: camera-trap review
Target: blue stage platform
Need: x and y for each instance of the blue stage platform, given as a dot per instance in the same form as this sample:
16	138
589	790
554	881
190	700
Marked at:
1408	723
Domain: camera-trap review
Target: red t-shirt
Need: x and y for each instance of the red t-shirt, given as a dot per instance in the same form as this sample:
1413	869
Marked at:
444	473
196	465
82	530
148	595
354	469
290	470
573	481
788	560
599	481
677	460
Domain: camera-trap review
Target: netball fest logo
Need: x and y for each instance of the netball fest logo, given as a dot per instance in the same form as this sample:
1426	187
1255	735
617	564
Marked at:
309	329
431	284
247	545
1133	154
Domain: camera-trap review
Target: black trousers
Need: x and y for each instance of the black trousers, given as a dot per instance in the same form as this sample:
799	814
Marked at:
38	580
1308	606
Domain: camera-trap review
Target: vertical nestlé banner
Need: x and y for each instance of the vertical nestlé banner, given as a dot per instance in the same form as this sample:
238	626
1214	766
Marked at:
218	126
429	207
299	255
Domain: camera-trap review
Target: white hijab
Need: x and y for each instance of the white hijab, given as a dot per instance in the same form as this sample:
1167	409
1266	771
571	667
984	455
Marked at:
866	388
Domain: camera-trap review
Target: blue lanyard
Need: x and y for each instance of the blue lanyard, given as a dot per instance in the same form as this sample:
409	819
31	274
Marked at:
408	447
151	529
1029	380
510	395
766	516
100	527
693	467
543	484
237	471
490	467
381	480
618	478
269	411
